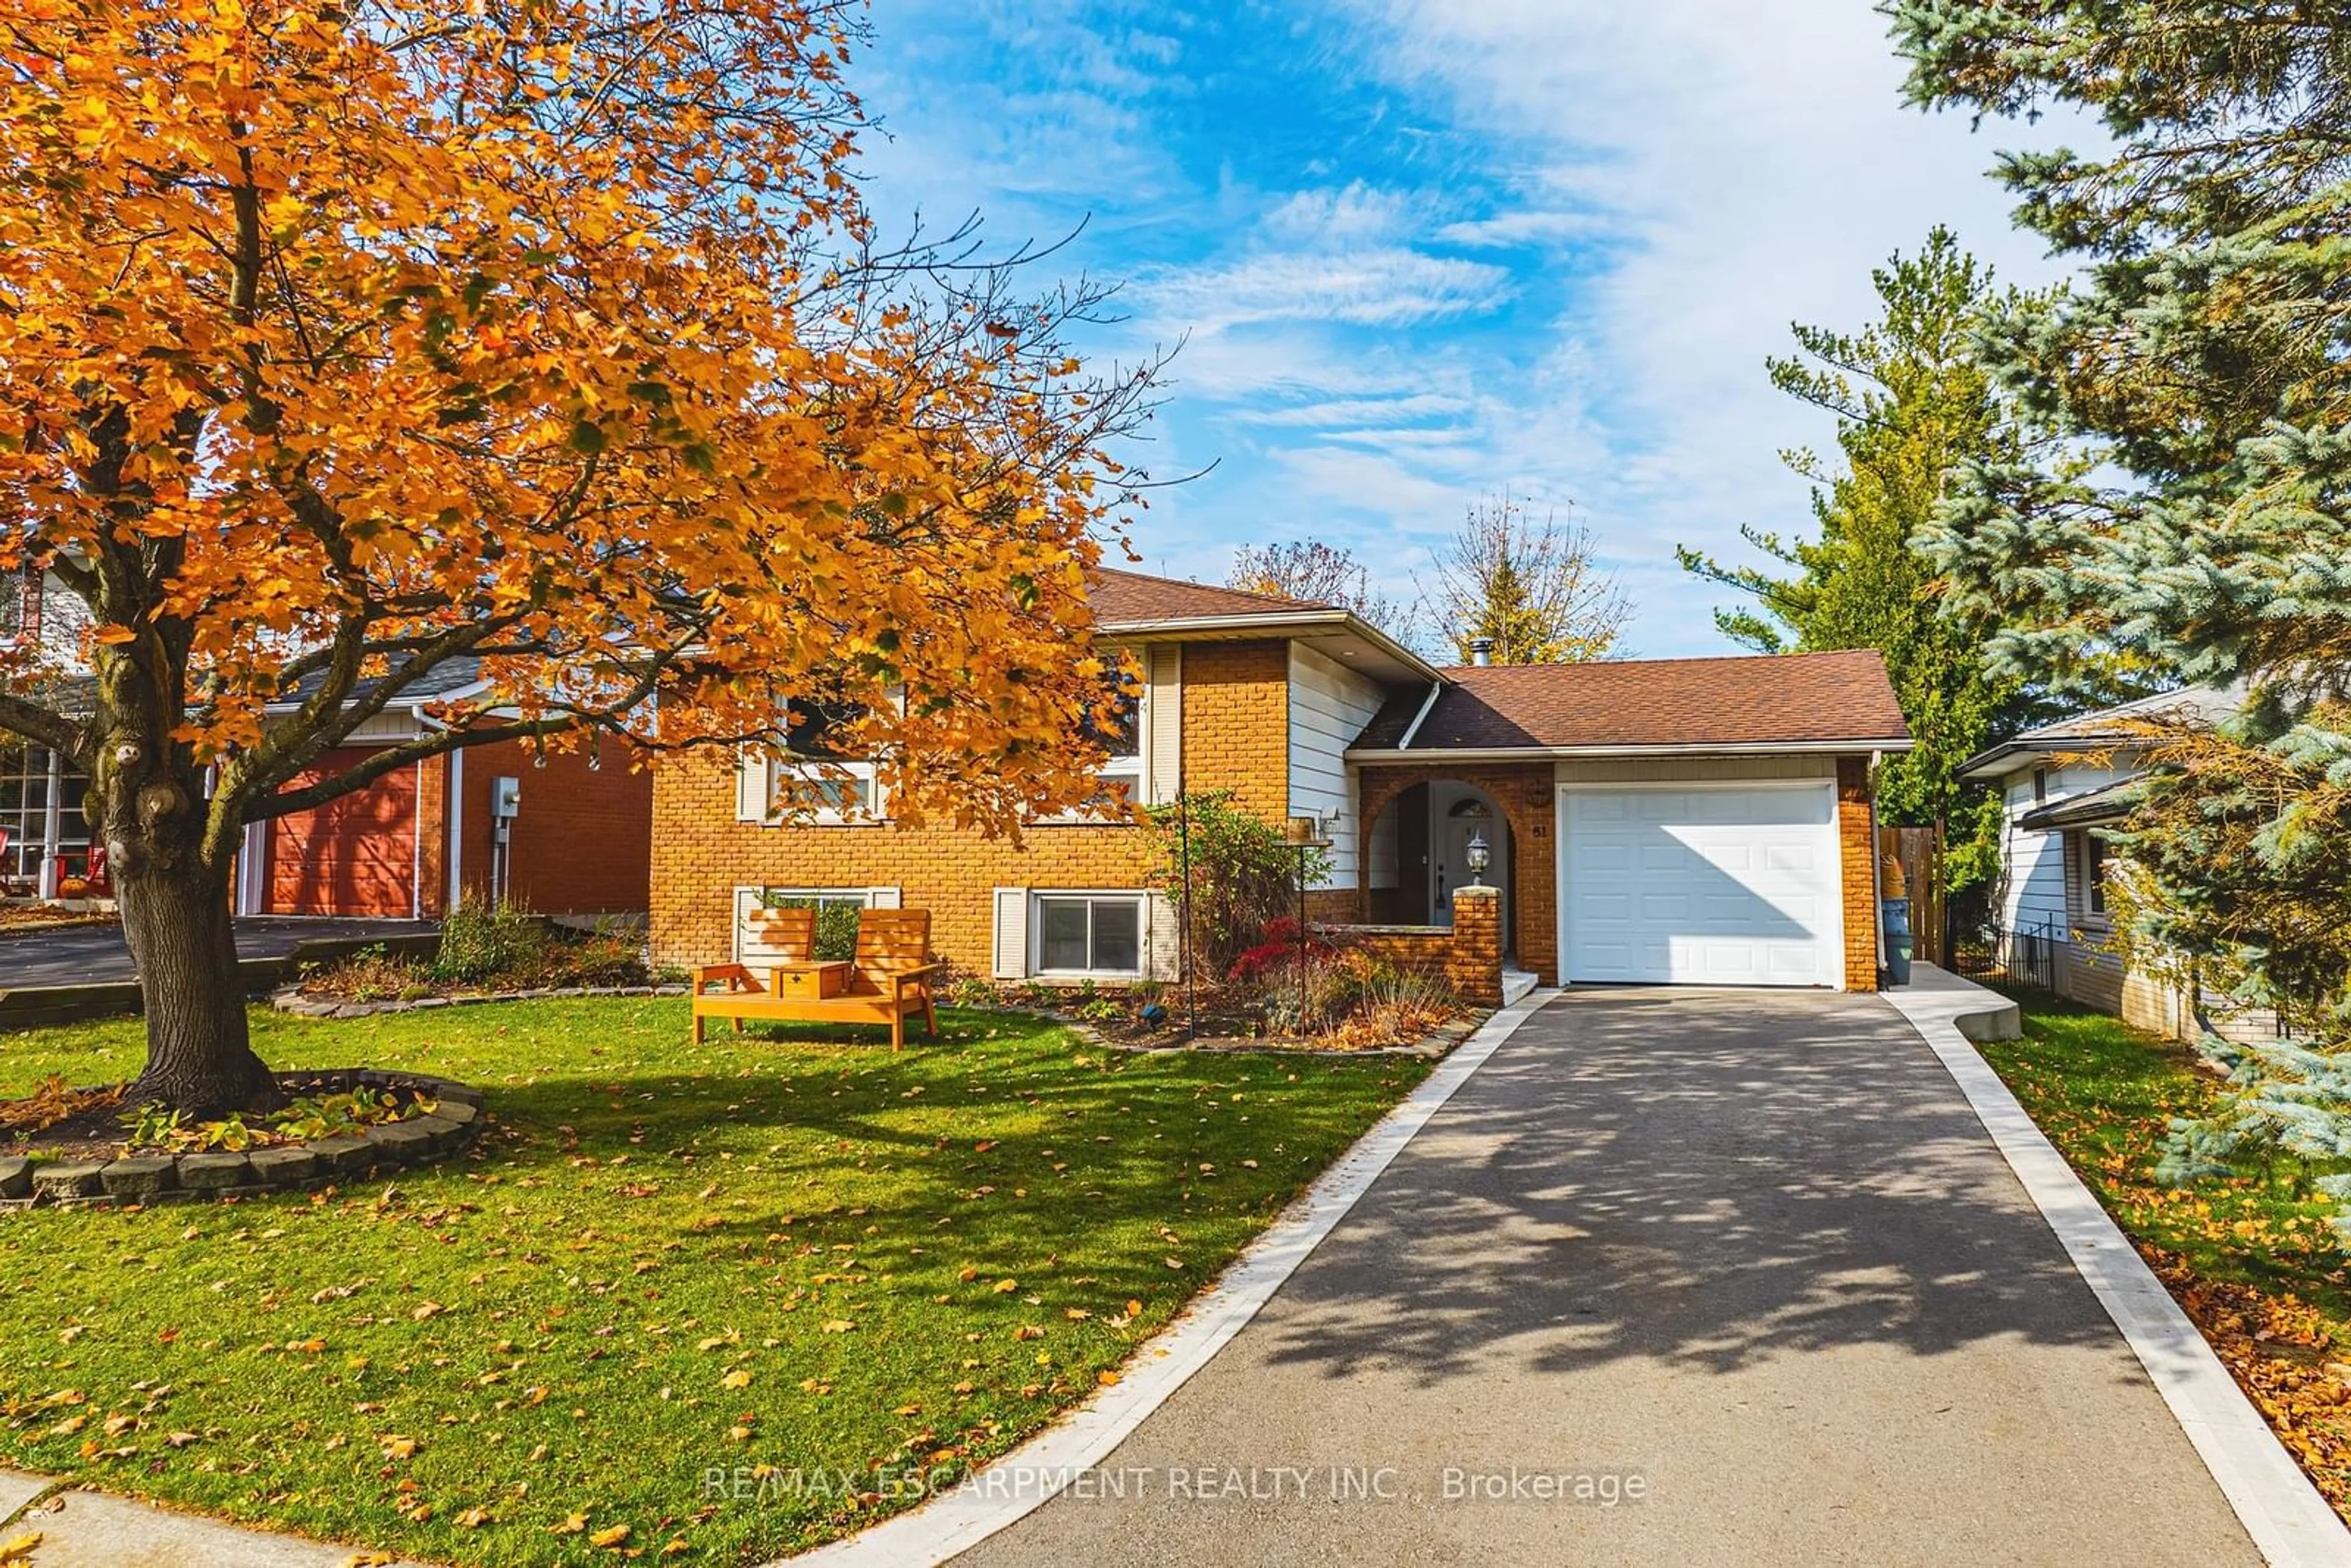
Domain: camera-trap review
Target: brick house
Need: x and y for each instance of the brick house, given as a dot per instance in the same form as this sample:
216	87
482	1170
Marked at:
1691	820
408	846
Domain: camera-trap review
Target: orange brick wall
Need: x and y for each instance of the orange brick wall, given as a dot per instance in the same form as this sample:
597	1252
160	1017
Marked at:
1857	839
583	839
1236	735
1468	956
1528	796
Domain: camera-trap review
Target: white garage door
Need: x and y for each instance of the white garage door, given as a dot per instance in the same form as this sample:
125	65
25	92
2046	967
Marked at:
1702	887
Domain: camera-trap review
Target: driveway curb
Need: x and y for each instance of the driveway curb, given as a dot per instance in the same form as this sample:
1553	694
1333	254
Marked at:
1013	1487
2291	1524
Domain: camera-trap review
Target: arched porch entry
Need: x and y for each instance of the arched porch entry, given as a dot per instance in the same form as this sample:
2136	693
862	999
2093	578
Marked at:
1417	823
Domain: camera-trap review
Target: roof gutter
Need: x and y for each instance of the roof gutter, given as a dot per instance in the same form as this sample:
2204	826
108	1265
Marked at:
1854	747
1274	620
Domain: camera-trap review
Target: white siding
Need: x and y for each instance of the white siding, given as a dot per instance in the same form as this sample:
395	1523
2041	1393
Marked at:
1329	706
2033	897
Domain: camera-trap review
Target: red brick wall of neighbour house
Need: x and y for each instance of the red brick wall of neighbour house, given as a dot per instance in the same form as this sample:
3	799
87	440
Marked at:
583	839
1858	841
1236	735
1527	795
356	855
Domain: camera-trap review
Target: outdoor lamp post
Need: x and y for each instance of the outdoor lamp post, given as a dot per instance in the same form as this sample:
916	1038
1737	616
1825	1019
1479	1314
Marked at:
1305	836
1479	858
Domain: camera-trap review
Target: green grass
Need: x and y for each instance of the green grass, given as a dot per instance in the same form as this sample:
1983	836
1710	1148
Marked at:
2107	1093
555	1321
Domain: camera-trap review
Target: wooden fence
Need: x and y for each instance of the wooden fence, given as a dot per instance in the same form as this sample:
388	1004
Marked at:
1919	851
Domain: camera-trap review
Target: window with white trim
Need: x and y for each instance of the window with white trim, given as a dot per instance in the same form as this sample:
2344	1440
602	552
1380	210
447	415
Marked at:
1125	767
818	779
1087	934
830	792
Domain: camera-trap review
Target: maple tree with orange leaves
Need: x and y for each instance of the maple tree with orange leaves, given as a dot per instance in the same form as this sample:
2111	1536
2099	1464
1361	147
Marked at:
342	340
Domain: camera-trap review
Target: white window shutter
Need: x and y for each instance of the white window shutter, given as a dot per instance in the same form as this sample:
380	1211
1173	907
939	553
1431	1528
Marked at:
1011	933
754	786
1162	742
882	898
747	899
1162	937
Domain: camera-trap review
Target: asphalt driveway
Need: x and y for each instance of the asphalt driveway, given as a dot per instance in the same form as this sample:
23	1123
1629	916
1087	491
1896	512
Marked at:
88	955
1746	1254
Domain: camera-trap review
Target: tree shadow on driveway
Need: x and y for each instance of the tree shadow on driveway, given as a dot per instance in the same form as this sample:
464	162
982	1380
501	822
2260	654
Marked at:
1708	1179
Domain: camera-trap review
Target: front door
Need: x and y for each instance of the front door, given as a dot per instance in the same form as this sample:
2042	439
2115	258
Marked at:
1451	869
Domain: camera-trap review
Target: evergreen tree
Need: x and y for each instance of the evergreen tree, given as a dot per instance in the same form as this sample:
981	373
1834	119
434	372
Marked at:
1911	403
2201	359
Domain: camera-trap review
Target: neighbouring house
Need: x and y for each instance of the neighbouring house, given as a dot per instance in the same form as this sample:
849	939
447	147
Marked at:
2065	787
410	845
1677	822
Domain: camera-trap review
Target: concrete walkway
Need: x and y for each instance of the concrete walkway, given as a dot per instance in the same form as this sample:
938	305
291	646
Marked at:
88	955
1749	1254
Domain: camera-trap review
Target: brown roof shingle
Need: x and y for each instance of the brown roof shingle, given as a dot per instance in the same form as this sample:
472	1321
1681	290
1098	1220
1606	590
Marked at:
1125	598
1781	699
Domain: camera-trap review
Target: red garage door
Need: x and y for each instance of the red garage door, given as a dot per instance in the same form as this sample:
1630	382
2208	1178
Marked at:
355	854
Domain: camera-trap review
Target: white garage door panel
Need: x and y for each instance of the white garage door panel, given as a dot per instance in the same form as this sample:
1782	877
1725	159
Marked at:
1723	888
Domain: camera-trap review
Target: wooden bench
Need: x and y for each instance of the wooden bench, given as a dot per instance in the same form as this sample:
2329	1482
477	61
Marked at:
887	981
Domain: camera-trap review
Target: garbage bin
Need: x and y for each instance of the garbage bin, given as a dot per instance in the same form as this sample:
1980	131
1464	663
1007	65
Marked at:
1896	915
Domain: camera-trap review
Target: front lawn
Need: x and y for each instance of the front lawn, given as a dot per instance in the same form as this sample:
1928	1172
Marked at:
2251	1258
665	1266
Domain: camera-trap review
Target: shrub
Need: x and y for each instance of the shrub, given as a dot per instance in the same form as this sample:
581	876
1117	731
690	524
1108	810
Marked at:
1241	874
836	924
1282	945
478	941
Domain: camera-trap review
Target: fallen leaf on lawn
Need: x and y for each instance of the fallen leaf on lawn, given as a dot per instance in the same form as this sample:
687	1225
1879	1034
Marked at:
474	1518
1106	1378
1077	1314
838	1325
967	1273
612	1537
1028	1330
69	1426
1005	1286
738	1378
115	1426
1172	1262
400	1447
182	1439
572	1525
676	1545
427	1309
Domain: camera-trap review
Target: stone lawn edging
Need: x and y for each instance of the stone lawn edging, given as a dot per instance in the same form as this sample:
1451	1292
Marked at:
291	999
449	1129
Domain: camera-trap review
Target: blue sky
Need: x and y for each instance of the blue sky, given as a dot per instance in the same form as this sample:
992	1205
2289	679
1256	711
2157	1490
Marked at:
1416	250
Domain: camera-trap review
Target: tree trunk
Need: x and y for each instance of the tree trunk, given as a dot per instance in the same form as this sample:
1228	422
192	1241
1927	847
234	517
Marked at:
175	915
200	1056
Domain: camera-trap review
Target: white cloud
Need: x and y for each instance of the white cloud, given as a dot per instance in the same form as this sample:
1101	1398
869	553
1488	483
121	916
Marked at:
1530	229
1752	161
1383	285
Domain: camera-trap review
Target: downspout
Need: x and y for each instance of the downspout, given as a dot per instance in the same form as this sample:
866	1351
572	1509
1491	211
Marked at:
1434	689
416	850
456	831
1877	869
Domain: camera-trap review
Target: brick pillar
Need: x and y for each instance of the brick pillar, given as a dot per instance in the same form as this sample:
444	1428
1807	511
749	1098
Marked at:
1474	968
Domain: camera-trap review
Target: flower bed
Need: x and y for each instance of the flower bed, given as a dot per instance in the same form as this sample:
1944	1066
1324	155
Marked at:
482	953
81	1147
1323	994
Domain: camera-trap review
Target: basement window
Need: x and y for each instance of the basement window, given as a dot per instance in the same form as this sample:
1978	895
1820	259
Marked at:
1088	934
